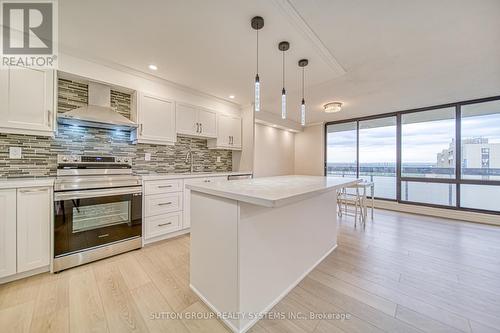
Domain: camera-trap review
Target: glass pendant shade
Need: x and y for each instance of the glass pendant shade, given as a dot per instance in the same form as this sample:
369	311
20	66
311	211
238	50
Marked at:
303	113
257	94
283	104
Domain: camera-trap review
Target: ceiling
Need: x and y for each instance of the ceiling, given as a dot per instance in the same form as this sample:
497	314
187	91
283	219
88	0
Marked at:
375	56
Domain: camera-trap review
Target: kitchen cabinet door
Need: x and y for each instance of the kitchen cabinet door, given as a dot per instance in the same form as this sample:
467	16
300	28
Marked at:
224	131
156	120
208	122
235	132
187	119
34	206
28	101
7	232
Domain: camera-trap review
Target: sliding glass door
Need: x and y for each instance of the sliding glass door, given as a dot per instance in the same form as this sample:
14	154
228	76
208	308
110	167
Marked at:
445	156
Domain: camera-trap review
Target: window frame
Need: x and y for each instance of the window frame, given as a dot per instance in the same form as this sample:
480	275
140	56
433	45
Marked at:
399	179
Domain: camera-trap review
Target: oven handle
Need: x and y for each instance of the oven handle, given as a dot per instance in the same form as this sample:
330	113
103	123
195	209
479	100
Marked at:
72	195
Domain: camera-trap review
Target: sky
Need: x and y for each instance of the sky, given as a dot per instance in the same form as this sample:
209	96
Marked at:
420	141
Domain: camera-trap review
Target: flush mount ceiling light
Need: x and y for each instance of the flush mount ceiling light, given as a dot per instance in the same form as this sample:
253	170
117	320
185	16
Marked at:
303	63
153	67
257	24
231	96
283	47
332	107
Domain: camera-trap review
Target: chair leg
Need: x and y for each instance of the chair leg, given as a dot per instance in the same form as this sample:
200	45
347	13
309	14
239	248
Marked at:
373	205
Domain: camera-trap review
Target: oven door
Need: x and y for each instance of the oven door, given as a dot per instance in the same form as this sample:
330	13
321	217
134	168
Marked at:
92	218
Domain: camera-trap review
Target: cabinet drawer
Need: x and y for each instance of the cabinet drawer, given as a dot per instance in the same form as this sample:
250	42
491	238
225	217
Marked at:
163	203
162	224
163	186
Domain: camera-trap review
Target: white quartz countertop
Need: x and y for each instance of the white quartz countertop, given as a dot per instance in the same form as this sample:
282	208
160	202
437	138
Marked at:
273	191
6	183
159	176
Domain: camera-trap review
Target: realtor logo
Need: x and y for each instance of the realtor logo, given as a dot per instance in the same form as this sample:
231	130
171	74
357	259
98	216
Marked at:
29	32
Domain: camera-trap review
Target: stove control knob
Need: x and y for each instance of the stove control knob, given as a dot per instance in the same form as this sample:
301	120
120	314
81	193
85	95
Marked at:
75	159
64	159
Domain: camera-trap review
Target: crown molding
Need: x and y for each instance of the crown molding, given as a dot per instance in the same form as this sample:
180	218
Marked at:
301	25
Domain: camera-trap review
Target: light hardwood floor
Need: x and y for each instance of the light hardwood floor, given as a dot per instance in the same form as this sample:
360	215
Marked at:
403	273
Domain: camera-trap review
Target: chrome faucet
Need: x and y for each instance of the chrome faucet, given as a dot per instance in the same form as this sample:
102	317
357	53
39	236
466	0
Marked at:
189	159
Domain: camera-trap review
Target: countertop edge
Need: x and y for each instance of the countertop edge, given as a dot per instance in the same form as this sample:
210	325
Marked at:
194	175
13	183
268	202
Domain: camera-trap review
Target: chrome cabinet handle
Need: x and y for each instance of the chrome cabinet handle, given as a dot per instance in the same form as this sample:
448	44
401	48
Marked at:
142	129
164	186
164	203
102	236
207	180
49	119
201	128
164	224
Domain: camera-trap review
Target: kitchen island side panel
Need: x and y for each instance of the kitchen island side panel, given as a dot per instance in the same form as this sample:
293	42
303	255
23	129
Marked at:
214	252
279	246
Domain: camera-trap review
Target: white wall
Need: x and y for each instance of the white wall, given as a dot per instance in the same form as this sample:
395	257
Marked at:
274	151
309	151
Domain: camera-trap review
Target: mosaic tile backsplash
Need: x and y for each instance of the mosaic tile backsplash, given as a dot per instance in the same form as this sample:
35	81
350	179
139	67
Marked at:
40	153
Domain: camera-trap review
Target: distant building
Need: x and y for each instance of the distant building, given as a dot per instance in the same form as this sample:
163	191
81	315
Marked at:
477	153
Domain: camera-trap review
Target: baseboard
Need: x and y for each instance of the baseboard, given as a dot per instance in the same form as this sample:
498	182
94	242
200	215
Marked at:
267	308
23	275
166	236
213	308
439	212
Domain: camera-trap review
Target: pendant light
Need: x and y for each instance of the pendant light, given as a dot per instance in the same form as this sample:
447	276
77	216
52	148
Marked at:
257	24
303	63
283	46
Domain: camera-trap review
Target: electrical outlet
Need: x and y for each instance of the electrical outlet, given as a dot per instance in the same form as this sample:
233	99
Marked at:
218	159
15	152
147	157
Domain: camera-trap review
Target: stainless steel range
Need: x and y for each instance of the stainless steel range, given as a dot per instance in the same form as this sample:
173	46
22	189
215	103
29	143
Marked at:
97	209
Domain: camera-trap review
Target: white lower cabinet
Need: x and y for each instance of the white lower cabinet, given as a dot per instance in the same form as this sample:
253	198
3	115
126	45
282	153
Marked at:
25	216
33	228
162	208
163	224
7	232
167	206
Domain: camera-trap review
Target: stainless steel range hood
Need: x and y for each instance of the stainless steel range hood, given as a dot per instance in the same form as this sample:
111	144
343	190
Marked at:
98	113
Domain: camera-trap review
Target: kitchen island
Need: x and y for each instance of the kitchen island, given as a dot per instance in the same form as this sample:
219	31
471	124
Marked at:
253	240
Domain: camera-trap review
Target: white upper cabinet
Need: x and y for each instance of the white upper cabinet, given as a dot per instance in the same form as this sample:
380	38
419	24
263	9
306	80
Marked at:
208	123
34	206
196	121
27	101
228	133
156	119
7	232
187	119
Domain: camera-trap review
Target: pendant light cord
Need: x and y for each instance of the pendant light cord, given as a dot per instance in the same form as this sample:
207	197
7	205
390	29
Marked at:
303	70
257	52
283	69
